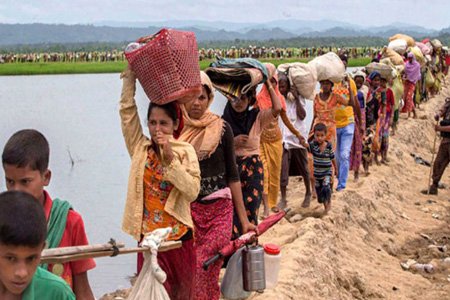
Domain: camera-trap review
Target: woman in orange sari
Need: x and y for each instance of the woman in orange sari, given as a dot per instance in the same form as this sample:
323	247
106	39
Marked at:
325	106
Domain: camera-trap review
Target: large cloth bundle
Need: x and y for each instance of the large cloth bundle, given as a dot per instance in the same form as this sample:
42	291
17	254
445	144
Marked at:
397	69
436	44
399	36
302	76
328	67
386	71
400	46
397	89
395	58
424	48
418	54
233	77
429	78
166	64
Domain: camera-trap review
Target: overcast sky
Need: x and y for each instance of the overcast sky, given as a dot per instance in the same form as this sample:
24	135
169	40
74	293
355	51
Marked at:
428	13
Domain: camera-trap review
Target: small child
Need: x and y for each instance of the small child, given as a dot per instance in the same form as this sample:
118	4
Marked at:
324	161
23	230
25	162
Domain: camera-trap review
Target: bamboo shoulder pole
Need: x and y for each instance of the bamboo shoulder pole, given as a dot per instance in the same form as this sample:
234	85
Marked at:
53	259
80	249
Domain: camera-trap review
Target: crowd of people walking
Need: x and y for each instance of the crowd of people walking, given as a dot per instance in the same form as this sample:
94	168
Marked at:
205	175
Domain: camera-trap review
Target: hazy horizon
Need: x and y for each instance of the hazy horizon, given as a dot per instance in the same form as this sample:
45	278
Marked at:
365	13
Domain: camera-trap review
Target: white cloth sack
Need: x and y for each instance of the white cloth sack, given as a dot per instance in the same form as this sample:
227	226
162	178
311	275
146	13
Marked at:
436	44
395	58
149	284
329	67
409	40
398	46
302	76
386	71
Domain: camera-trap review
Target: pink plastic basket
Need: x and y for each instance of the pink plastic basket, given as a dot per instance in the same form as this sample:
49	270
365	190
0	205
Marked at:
167	66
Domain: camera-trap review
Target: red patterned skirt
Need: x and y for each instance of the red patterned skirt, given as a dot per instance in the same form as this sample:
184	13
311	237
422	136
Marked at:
213	226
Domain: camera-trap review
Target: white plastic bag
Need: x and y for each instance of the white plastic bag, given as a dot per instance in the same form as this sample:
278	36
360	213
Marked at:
149	284
232	286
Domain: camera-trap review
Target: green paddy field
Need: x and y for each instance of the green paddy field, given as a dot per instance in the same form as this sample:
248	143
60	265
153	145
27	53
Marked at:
115	67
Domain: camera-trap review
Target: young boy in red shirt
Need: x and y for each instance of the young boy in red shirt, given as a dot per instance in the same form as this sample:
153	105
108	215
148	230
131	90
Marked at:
25	162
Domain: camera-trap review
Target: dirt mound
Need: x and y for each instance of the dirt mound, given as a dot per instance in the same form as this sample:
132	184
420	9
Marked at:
355	251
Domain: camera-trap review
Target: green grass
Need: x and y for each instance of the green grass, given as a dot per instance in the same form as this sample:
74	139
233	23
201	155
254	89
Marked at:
61	68
115	67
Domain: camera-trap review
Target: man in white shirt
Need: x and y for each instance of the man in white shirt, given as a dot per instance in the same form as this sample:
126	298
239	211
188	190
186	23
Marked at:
295	154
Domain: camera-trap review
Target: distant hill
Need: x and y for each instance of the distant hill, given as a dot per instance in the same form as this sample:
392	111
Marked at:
294	26
13	34
208	33
445	30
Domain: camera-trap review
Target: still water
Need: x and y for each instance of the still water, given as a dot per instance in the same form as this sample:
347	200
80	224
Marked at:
79	116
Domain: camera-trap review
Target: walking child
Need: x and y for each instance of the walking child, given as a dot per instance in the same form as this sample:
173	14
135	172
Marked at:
324	161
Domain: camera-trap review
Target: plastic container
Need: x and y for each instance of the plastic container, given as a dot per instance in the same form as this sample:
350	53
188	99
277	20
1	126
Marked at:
232	286
272	261
427	268
167	66
253	271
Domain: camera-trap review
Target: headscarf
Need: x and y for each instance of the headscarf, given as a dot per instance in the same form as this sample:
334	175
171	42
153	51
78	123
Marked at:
205	133
177	132
373	75
359	73
412	69
372	92
240	122
263	99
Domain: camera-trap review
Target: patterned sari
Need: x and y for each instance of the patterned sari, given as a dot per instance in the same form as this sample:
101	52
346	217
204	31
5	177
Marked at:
375	117
408	95
324	112
357	146
251	173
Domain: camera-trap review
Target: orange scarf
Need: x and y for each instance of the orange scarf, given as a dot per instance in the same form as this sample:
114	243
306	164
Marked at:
205	133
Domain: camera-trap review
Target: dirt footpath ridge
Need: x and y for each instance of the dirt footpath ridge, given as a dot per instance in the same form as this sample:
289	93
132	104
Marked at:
375	224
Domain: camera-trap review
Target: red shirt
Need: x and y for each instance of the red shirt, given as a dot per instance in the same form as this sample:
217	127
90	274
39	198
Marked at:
390	100
74	235
447	59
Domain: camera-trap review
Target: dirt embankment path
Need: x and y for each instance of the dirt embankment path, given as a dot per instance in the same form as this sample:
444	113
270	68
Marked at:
355	251
375	224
